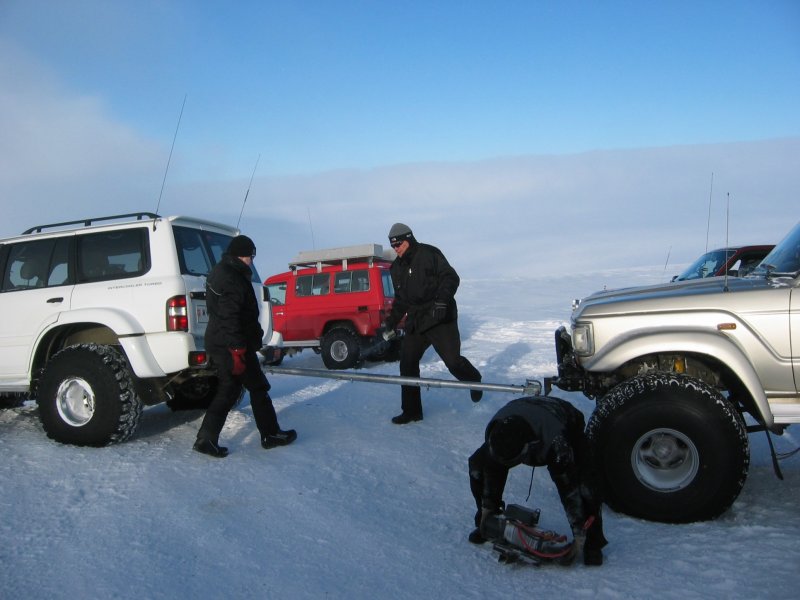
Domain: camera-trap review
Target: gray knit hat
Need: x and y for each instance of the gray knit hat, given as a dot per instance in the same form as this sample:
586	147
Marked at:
400	233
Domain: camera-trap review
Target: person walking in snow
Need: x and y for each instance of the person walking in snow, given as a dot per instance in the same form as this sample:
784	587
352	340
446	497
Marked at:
232	338
425	286
539	431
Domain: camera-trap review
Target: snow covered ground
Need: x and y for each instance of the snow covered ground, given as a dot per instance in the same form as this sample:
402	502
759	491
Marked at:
358	507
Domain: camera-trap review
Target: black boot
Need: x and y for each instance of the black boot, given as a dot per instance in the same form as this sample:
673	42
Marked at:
476	537
592	556
279	438
206	446
405	417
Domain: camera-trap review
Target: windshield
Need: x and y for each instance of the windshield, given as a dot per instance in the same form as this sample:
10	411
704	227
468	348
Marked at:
707	265
784	258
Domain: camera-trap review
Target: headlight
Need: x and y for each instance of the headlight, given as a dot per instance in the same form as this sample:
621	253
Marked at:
582	339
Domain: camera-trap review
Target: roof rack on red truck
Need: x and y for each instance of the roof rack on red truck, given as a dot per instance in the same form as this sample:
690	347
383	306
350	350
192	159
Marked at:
317	259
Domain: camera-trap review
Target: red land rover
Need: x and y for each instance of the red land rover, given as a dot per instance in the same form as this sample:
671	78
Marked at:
334	301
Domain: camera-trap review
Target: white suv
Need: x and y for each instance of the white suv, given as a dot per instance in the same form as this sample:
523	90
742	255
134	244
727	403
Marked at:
102	316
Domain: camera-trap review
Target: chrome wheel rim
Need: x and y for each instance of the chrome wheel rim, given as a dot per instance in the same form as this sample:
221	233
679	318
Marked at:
75	401
339	350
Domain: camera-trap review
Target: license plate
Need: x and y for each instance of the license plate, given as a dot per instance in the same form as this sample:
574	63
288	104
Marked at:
202	314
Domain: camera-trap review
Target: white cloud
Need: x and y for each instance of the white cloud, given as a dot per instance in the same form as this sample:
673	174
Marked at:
539	214
61	153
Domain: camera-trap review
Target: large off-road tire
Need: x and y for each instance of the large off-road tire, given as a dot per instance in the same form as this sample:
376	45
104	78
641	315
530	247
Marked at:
669	448
87	396
341	348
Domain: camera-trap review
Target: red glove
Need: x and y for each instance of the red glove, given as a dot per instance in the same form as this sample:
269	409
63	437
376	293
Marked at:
238	360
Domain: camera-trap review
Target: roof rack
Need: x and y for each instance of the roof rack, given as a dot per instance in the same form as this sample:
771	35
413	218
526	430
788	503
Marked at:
87	222
319	258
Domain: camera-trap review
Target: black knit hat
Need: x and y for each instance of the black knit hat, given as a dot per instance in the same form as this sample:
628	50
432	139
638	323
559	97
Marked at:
241	245
400	232
507	440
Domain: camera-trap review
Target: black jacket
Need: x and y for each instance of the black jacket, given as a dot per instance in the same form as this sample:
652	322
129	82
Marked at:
556	423
232	307
562	447
422	277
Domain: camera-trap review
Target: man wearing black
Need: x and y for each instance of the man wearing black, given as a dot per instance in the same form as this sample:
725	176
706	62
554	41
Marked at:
538	431
425	286
233	336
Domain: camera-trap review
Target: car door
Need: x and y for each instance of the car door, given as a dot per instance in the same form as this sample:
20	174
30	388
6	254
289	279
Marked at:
36	288
279	305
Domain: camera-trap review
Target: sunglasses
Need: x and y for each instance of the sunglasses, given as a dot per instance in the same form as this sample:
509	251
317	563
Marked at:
397	244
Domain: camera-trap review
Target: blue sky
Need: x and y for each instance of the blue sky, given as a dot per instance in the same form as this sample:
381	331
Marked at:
93	89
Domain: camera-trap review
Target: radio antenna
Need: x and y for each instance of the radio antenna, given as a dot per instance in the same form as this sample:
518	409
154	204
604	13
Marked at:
311	228
247	193
708	223
174	137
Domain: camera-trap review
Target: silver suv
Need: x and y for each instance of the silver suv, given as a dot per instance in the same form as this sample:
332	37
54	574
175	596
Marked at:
676	369
102	316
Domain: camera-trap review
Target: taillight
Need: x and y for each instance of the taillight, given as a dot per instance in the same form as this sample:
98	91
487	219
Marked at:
198	358
177	314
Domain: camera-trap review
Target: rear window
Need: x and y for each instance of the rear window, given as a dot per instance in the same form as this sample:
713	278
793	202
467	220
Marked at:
199	250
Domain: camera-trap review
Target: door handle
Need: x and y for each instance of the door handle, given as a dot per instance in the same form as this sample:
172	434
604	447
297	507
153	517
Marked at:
55	300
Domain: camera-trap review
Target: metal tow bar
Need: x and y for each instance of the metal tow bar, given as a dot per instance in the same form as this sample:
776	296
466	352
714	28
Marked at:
531	387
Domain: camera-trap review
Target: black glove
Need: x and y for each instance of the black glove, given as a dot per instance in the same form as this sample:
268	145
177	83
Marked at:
439	311
488	508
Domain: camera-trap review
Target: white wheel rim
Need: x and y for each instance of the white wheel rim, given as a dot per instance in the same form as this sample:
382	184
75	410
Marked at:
665	460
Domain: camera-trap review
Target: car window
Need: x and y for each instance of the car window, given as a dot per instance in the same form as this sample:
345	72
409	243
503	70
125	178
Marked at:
312	285
113	254
706	266
361	281
342	282
277	292
351	281
785	257
27	265
388	286
199	251
58	273
748	263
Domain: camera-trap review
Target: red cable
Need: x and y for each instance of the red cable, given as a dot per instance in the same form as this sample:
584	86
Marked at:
552	537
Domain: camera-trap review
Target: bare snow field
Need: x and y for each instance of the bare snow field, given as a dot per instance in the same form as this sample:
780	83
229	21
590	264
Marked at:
359	507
